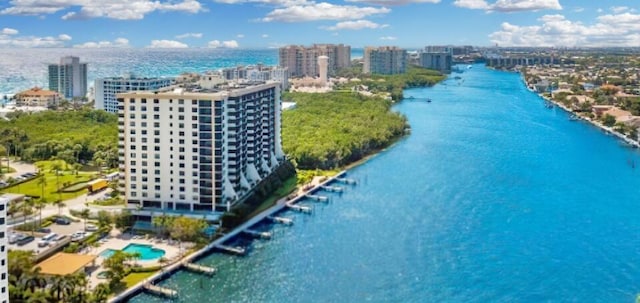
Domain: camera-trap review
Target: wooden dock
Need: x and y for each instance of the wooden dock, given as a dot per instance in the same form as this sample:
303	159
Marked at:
332	188
347	181
258	234
281	220
160	291
300	208
230	249
200	269
318	198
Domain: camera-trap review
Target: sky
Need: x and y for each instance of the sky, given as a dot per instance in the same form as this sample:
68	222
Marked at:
359	23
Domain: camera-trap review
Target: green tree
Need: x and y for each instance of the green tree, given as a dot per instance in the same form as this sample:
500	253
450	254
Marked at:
608	120
85	214
123	220
100	293
116	268
104	219
40	205
56	167
60	206
185	228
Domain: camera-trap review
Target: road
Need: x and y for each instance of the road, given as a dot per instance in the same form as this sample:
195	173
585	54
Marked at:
78	203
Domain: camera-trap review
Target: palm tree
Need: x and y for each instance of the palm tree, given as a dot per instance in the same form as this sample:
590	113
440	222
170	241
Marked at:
60	205
56	286
100	293
41	204
42	181
84	214
27	209
56	167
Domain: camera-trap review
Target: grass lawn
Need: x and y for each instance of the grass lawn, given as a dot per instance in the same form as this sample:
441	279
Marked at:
6	170
287	187
135	277
33	188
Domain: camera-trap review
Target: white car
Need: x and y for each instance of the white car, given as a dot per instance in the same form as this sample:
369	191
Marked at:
91	227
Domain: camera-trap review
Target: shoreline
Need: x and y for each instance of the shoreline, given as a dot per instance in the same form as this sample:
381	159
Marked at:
607	130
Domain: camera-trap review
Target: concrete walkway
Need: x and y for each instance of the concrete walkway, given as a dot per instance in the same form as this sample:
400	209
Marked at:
20	167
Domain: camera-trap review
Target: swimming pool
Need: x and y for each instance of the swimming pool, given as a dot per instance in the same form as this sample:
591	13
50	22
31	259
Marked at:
147	252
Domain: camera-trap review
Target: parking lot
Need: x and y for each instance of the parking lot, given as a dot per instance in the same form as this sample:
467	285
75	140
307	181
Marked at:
60	229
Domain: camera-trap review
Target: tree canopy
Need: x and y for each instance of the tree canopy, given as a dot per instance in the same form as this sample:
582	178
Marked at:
331	130
73	136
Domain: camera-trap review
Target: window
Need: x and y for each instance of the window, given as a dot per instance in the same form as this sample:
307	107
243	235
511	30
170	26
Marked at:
132	155
157	172
156	132
181	109
133	178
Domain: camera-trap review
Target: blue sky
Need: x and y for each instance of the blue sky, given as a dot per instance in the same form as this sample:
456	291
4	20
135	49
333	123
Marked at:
273	23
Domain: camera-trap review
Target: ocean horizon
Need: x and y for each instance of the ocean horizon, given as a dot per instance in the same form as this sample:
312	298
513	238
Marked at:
19	71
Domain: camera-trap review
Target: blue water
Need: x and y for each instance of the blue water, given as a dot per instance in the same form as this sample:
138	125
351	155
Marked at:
147	252
492	198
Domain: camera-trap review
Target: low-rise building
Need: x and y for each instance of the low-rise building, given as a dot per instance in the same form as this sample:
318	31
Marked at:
38	97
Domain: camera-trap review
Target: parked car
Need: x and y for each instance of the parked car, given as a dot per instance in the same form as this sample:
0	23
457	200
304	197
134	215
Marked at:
91	227
47	239
63	221
44	230
76	236
13	238
24	240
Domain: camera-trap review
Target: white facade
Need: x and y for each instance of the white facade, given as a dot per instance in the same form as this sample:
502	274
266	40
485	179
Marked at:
107	88
198	149
4	274
323	63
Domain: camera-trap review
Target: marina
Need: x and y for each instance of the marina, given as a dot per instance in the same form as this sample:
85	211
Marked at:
187	262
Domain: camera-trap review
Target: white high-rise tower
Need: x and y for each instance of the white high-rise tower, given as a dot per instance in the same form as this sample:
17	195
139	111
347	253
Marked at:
323	64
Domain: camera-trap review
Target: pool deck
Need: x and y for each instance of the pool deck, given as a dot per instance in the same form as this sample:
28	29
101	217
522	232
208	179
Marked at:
119	241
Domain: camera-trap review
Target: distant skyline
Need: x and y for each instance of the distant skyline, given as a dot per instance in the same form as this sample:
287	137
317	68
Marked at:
359	23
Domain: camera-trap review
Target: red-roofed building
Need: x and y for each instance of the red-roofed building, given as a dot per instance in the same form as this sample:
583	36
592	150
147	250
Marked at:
37	97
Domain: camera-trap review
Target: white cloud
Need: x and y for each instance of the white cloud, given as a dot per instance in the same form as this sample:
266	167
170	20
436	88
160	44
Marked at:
578	9
265	36
355	25
272	2
11	40
167	44
9	31
117	43
189	35
114	9
472	4
619	9
389	38
223	44
322	11
393	2
509	5
599	10
240	36
556	30
64	37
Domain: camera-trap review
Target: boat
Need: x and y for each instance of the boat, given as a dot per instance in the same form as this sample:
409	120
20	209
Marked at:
469	66
428	100
457	77
574	118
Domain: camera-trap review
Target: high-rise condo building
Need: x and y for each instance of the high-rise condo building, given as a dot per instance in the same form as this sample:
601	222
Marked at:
386	60
4	266
199	148
302	61
69	77
440	61
107	88
257	72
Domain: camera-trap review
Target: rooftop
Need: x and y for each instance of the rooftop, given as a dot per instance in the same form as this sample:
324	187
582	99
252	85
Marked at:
64	263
